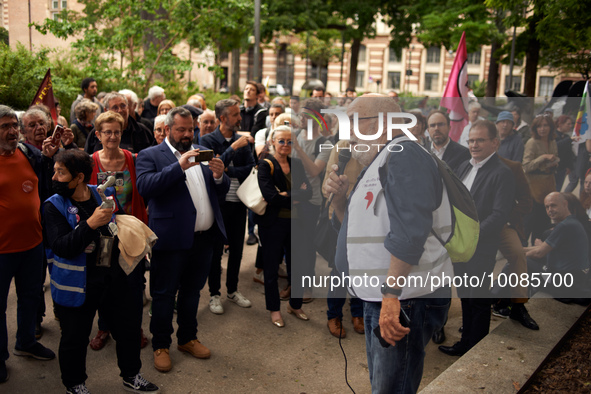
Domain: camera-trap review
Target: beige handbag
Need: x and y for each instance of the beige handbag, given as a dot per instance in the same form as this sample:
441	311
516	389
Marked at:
250	193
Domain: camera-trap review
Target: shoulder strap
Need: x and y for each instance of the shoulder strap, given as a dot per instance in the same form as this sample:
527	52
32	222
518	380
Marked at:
271	165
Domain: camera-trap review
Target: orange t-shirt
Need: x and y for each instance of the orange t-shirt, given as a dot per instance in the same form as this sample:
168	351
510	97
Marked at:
20	218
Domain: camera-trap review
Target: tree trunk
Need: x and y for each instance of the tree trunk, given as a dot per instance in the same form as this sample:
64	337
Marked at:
532	57
235	80
354	59
492	82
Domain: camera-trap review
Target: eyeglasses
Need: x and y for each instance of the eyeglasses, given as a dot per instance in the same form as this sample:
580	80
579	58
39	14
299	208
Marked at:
118	107
434	125
283	142
478	141
111	133
8	126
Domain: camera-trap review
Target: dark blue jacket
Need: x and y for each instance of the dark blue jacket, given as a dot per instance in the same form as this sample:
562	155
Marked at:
239	162
161	181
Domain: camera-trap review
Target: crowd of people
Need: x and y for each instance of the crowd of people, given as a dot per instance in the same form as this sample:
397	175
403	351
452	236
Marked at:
136	185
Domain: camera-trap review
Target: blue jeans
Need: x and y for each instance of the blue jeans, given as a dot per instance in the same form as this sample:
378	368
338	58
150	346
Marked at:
336	298
185	271
399	369
27	269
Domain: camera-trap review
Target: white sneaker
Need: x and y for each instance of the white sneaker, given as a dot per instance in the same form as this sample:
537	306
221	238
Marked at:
215	305
239	300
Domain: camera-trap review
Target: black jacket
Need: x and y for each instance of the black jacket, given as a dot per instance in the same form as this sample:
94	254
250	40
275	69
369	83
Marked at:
271	185
238	163
253	120
135	137
455	154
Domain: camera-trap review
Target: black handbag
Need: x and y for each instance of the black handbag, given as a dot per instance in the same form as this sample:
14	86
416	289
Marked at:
325	237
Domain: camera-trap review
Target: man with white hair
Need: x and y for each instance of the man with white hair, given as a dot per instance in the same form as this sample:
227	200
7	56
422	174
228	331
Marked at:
390	215
207	123
473	115
133	101
155	97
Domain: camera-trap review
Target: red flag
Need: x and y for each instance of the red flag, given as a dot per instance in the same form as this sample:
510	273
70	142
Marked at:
455	97
45	96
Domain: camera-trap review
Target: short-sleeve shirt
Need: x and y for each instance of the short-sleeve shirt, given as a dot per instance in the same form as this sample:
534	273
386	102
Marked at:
569	247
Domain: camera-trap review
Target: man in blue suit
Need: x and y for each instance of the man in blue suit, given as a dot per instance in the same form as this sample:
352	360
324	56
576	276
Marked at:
183	197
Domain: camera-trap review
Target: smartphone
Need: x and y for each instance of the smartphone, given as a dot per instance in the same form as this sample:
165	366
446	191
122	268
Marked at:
204	155
56	137
404	322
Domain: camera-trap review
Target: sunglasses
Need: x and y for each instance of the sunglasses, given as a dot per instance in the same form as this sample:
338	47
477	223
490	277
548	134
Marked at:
283	142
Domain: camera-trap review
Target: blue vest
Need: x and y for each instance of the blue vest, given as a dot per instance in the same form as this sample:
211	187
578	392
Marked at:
68	276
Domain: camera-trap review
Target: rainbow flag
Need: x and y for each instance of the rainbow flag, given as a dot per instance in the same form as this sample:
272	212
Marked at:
582	123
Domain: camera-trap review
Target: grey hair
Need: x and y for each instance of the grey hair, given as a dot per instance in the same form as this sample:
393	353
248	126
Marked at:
159	119
195	103
278	105
127	92
474	104
206	112
155	91
111	96
221	107
5	110
37	112
182	112
84	107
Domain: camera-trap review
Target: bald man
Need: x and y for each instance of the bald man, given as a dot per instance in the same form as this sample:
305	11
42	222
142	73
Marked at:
563	253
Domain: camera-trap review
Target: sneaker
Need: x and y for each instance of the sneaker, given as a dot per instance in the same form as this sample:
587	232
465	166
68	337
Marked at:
240	300
138	384
259	278
3	372
502	312
37	351
215	305
252	239
80	389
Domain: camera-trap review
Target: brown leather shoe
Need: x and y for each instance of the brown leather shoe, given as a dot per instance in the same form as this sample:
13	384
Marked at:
335	326
285	294
99	341
358	325
195	349
162	360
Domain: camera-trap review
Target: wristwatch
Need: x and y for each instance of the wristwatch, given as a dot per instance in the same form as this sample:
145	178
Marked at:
390	290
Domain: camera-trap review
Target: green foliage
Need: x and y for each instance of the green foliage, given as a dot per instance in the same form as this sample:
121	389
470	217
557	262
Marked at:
4	35
479	88
22	71
135	41
320	51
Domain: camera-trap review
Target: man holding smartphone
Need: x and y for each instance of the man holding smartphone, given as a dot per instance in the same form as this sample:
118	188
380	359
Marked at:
234	150
389	216
183	196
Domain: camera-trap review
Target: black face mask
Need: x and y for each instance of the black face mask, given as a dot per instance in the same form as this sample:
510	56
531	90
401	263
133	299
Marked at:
63	189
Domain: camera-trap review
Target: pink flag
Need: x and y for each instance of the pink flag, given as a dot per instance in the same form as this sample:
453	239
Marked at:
455	97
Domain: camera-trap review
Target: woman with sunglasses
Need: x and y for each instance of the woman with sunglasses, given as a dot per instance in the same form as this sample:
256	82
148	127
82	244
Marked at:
540	160
275	180
117	162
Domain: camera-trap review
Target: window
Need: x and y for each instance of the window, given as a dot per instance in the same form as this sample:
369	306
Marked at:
362	54
472	78
393	57
360	79
546	86
393	80
55	4
516	86
56	16
64	4
431	81
474	58
285	67
433	55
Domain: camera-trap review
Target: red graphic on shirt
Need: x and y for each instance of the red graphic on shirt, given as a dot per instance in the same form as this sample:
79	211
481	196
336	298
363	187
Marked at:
369	198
